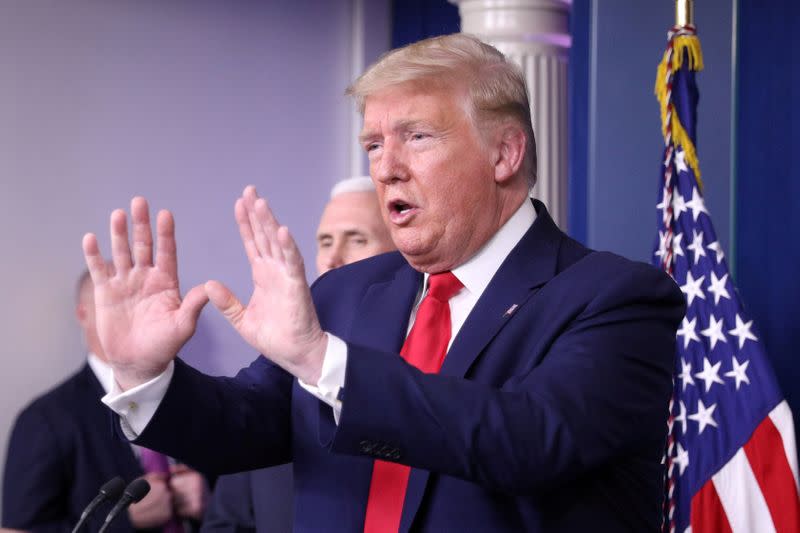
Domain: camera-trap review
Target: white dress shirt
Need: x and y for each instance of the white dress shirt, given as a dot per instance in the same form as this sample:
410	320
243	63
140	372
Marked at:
138	405
102	371
105	375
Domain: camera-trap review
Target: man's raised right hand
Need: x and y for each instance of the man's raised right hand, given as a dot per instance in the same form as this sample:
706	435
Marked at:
142	321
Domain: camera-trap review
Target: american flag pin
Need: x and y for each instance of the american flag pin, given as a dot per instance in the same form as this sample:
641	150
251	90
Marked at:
510	311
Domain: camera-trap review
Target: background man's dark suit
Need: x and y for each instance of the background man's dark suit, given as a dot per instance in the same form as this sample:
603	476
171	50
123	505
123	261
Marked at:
250	501
547	416
61	451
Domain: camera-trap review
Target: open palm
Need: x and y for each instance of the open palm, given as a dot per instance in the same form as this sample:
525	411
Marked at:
279	320
142	321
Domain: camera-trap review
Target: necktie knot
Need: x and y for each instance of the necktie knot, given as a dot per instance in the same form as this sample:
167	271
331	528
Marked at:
443	286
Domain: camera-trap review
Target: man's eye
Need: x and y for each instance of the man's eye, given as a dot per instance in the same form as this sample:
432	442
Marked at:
371	146
418	136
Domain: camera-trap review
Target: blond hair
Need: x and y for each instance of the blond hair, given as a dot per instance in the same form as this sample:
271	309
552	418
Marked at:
495	86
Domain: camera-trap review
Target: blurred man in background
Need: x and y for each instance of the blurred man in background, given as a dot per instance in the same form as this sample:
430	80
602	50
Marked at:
350	229
62	449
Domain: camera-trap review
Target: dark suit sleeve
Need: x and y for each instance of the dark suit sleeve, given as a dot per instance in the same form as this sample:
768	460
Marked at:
36	480
231	507
224	425
600	392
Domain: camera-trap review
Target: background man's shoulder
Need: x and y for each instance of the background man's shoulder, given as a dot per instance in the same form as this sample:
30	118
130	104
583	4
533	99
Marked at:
359	276
56	401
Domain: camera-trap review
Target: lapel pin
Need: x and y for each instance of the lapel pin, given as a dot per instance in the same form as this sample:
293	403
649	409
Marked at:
510	311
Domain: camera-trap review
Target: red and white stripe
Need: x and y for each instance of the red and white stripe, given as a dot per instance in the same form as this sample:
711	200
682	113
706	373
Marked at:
757	490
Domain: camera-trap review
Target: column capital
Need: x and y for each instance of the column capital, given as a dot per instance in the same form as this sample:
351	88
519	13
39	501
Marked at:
524	21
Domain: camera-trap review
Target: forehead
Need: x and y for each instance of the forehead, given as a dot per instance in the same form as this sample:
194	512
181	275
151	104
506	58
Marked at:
418	101
351	210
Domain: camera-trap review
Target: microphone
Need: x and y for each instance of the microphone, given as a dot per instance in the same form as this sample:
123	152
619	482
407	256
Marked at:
109	491
135	491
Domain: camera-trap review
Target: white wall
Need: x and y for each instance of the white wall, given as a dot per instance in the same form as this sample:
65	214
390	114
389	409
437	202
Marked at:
182	102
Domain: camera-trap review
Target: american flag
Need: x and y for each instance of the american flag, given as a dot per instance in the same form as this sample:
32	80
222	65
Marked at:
731	457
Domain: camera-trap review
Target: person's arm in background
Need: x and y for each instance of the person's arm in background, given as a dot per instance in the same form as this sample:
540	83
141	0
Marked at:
190	493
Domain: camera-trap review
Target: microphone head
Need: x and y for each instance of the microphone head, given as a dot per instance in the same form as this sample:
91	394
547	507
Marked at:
137	489
112	489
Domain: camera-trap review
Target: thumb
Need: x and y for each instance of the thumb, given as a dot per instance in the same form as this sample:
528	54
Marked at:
224	300
192	304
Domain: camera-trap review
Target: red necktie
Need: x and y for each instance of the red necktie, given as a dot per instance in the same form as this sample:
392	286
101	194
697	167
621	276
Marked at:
153	461
425	348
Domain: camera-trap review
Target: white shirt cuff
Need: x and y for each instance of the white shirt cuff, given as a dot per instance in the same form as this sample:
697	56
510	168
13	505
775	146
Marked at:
331	379
137	406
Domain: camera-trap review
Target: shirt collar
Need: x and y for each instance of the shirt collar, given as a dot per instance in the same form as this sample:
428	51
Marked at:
479	270
102	371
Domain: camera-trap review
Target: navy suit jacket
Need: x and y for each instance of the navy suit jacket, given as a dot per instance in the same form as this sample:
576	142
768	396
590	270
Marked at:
258	500
549	413
61	451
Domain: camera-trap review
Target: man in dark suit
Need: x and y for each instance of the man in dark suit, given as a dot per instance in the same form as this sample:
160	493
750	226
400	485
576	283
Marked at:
494	375
62	450
350	229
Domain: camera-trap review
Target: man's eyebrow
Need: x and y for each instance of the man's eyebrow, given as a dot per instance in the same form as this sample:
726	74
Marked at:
400	125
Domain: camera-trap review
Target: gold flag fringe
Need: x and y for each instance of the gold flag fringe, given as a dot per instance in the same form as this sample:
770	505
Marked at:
689	44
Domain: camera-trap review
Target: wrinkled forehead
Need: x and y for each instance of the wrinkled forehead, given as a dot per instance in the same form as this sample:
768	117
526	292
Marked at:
404	98
405	108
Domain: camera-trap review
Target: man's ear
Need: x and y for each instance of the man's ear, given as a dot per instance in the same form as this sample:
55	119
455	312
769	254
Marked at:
511	144
80	313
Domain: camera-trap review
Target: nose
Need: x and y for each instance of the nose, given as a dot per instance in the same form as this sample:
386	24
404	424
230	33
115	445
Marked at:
335	257
389	165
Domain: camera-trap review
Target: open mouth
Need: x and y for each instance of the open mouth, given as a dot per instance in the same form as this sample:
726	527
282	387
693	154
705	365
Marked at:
401	211
400	207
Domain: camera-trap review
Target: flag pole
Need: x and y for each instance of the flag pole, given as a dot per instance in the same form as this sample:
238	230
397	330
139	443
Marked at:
684	13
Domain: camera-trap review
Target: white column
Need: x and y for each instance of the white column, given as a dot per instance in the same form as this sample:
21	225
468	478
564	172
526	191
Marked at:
534	34
371	36
357	64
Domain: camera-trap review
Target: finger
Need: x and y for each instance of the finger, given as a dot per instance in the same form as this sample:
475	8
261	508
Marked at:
175	483
259	235
179	468
155	478
94	261
270	224
166	258
224	300
142	233
192	304
294	259
246	232
120	250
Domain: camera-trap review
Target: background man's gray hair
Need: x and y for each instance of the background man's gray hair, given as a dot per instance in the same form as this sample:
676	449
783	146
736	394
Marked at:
356	184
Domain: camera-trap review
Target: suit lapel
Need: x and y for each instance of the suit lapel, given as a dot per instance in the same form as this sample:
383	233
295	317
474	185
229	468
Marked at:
382	317
531	263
